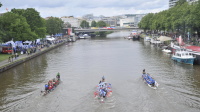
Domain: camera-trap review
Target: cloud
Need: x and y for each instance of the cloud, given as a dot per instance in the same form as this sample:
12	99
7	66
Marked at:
60	8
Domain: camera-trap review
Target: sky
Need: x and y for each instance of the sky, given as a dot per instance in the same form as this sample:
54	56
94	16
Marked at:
78	8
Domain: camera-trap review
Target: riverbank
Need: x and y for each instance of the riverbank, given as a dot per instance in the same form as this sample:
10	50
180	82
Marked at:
5	65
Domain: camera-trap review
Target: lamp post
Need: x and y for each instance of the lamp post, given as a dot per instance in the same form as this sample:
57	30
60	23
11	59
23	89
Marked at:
12	47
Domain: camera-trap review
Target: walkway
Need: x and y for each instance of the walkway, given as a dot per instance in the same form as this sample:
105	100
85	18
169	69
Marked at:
5	65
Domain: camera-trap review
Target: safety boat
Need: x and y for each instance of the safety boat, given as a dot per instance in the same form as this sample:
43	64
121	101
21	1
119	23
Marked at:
103	91
149	81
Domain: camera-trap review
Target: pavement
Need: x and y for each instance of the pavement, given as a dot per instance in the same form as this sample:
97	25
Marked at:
6	63
21	56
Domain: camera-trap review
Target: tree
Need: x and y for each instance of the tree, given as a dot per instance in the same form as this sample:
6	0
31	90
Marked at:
180	2
181	18
84	24
146	22
54	25
14	26
0	4
195	16
93	24
101	24
34	19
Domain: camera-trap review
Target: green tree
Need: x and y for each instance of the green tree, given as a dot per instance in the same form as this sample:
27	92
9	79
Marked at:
84	24
0	4
14	26
181	2
34	19
54	25
181	18
146	22
93	24
101	24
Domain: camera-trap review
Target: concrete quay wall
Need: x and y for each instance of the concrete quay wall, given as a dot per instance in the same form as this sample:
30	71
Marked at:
26	58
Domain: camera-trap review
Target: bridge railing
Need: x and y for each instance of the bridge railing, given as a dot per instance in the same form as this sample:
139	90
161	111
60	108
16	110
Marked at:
106	29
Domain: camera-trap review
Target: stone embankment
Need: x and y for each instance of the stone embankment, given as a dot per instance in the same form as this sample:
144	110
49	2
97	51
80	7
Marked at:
5	65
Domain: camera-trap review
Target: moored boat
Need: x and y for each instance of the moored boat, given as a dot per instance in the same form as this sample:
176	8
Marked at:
147	39
84	36
195	50
167	51
183	56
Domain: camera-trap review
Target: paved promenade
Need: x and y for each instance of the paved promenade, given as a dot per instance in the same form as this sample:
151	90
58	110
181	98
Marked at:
5	65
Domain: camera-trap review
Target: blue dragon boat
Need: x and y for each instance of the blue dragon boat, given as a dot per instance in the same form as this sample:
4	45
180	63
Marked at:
149	81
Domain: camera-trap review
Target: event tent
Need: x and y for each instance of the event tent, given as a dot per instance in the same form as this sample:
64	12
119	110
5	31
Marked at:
164	38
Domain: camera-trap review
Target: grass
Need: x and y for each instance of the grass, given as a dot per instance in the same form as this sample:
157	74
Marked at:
4	57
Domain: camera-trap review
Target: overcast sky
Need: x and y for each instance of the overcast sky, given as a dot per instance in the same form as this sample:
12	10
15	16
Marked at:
78	8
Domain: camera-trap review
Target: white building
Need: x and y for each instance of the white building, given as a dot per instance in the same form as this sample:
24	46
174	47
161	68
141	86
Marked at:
127	22
75	22
131	20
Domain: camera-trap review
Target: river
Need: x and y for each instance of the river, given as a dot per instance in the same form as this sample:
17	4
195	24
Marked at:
83	63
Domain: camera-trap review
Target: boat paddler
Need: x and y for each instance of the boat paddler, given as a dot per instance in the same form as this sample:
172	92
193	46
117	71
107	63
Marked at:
144	71
103	79
58	76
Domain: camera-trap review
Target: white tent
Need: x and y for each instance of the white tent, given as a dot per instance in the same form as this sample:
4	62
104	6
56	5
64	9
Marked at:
164	38
37	41
51	39
27	42
11	42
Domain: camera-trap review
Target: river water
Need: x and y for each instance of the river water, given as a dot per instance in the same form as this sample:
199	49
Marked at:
83	63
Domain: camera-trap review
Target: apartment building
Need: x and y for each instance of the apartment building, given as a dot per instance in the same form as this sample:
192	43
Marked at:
173	2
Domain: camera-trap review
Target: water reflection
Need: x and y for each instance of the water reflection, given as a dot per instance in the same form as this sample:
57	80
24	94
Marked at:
18	82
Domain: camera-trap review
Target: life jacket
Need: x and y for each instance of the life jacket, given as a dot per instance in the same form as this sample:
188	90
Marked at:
50	87
57	81
46	86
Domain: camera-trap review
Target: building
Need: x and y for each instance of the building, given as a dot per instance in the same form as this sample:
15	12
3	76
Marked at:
110	21
131	20
126	20
74	22
191	1
173	2
88	17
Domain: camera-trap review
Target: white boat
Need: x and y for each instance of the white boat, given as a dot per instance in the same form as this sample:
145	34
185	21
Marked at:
129	37
147	39
84	36
183	56
154	41
167	51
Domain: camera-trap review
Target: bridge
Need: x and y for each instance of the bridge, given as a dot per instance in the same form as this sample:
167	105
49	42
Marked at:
106	29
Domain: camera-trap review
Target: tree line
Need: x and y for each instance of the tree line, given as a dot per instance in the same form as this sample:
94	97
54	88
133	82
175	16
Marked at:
183	19
85	24
27	24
